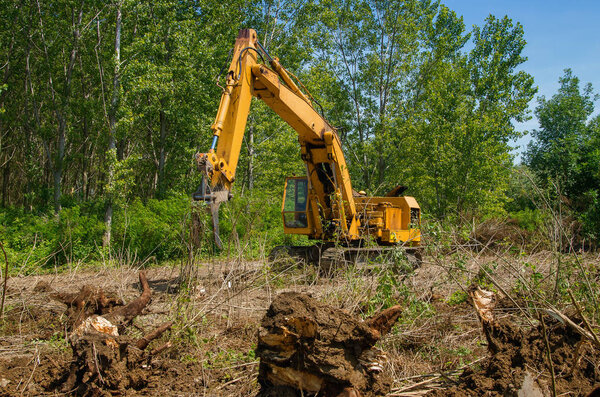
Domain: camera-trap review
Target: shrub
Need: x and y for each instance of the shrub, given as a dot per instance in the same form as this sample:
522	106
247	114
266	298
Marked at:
78	235
30	240
528	219
157	228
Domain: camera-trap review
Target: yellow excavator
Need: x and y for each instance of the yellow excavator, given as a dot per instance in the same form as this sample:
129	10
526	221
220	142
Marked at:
321	205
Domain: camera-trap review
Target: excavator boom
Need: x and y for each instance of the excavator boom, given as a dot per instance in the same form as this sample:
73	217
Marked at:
321	205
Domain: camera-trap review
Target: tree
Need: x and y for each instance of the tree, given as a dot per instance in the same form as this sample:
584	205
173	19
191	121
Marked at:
112	123
565	150
419	109
366	54
565	135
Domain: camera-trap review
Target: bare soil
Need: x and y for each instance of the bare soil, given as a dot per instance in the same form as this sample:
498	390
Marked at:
437	346
518	362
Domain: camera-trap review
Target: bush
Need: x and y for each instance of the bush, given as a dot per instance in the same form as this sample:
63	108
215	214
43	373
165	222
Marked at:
255	221
78	235
30	240
34	240
591	217
41	239
528	219
158	228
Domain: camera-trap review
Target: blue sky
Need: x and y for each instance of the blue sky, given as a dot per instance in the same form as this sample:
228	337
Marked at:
559	34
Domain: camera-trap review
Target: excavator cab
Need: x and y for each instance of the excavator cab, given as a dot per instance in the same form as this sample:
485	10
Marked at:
294	209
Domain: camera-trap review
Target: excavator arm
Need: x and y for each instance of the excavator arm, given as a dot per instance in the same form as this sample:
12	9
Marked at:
323	205
320	145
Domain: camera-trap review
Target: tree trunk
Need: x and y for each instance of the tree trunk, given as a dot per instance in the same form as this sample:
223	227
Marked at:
5	184
30	116
112	120
162	155
60	106
381	169
62	122
251	157
58	163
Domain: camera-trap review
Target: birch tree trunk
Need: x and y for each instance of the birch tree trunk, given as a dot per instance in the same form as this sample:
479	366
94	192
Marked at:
112	120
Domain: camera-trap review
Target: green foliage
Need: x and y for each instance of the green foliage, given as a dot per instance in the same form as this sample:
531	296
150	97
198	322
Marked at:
530	220
393	290
155	229
565	152
591	216
558	148
386	294
403	79
522	191
3	87
458	297
414	308
78	234
484	277
29	240
418	98
36	241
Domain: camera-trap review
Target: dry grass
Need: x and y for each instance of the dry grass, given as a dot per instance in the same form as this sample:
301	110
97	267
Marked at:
217	312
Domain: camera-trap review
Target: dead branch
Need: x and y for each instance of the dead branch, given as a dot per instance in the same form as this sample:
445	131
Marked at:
5	280
143	342
127	313
566	320
548	354
159	349
584	319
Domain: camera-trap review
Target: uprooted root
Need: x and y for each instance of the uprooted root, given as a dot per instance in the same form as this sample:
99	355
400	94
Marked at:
104	361
518	364
309	348
81	305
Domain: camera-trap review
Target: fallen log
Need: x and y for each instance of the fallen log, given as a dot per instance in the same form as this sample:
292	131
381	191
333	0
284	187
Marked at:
307	347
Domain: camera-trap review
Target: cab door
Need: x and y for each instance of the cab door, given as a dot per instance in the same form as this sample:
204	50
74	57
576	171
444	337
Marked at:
296	219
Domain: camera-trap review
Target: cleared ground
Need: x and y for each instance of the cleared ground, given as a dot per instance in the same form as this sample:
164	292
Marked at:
217	315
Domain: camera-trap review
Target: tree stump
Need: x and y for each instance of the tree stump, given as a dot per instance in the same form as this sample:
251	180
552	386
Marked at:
307	347
104	361
88	301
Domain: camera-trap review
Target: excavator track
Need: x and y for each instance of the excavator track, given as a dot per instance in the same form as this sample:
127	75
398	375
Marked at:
331	259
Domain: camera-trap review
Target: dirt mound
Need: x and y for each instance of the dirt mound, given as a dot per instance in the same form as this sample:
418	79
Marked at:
307	347
519	362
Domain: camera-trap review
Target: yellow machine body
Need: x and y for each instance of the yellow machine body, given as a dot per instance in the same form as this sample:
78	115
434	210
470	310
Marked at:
388	220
